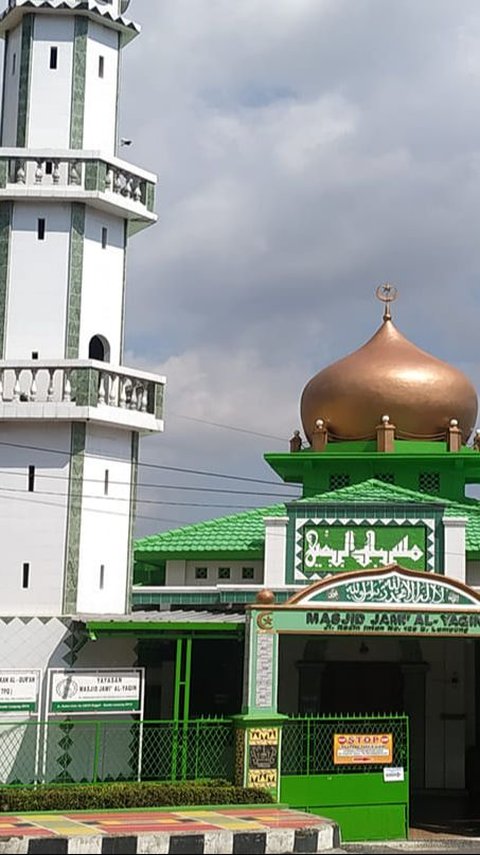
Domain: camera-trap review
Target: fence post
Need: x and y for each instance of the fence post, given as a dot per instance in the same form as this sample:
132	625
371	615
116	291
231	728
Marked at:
96	751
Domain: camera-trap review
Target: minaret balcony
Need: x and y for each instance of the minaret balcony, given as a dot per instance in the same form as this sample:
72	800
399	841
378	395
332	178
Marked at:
106	183
81	390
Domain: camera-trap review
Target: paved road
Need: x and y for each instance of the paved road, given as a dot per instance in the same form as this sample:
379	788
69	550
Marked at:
460	847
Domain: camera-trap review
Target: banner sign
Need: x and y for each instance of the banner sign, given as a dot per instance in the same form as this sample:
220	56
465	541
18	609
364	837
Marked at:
95	691
378	622
361	748
19	691
263	757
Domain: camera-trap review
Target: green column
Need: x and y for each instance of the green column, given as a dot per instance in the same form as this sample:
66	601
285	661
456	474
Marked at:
181	708
24	81
259	728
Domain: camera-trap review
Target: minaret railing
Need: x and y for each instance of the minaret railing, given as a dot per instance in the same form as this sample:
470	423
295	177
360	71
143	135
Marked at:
83	383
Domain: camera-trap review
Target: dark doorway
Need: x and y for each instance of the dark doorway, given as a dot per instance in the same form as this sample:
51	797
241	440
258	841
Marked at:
362	687
99	349
217	676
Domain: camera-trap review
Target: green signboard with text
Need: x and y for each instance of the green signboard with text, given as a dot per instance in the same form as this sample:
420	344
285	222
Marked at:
362	547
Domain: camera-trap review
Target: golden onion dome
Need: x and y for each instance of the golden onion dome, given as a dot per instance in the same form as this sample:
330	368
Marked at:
389	376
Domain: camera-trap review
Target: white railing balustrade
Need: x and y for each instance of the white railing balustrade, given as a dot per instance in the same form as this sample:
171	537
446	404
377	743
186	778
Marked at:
84	383
85	170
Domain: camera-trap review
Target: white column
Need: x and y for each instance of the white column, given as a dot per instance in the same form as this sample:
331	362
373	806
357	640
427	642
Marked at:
275	552
454	548
175	573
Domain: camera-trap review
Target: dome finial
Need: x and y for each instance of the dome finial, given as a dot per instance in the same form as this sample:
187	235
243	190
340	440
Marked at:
387	294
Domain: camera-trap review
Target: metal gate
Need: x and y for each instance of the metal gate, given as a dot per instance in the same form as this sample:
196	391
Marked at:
353	769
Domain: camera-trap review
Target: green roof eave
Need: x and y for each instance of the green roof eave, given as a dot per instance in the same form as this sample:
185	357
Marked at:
113	627
291	466
254	554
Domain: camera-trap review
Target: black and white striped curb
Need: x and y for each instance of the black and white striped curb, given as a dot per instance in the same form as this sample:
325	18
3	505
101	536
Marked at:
322	838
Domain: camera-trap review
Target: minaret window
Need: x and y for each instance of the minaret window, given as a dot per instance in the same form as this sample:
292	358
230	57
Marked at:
99	348
101	581
31	479
54	57
49	167
104	237
105	485
101	66
14	63
41	228
26	575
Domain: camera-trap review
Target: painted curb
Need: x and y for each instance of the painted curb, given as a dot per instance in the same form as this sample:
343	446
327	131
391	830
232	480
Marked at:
319	838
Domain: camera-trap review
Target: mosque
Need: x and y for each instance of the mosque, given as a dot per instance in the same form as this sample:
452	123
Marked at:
327	648
362	597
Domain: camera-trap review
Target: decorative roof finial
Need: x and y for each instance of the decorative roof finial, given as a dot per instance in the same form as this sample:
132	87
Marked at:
387	294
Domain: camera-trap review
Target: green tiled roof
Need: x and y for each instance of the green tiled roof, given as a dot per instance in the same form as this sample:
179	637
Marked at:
243	534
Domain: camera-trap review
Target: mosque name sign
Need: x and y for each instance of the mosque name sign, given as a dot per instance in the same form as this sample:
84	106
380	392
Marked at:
392	622
363	547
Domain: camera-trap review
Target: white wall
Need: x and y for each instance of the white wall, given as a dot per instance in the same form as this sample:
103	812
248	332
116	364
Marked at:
38	277
101	93
105	522
102	295
213	577
51	89
33	525
10	104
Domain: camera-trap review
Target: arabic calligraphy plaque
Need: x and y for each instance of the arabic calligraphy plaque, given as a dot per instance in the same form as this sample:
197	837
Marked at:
359	547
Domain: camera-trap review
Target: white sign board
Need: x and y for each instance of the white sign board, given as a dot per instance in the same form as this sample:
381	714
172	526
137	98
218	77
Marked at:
88	691
393	773
19	691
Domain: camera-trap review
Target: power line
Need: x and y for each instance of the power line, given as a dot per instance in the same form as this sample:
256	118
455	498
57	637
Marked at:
203	473
230	427
127	499
144	485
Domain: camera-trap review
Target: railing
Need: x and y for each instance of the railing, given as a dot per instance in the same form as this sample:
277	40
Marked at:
78	751
307	742
81	170
84	383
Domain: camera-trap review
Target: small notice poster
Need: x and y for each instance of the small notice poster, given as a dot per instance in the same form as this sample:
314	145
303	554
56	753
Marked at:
361	748
19	691
95	691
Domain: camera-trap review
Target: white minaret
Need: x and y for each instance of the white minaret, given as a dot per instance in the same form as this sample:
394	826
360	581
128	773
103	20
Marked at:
70	414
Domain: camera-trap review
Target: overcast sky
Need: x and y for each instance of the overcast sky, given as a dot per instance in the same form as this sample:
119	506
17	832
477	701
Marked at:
307	150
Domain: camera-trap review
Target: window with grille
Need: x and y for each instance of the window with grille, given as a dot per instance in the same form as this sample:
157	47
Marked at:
341	479
248	573
386	477
201	573
429	482
224	572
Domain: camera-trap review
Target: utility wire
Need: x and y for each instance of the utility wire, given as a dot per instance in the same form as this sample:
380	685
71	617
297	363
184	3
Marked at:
204	473
143	485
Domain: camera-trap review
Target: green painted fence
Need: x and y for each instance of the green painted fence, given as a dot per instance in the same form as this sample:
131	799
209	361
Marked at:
80	751
357	796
